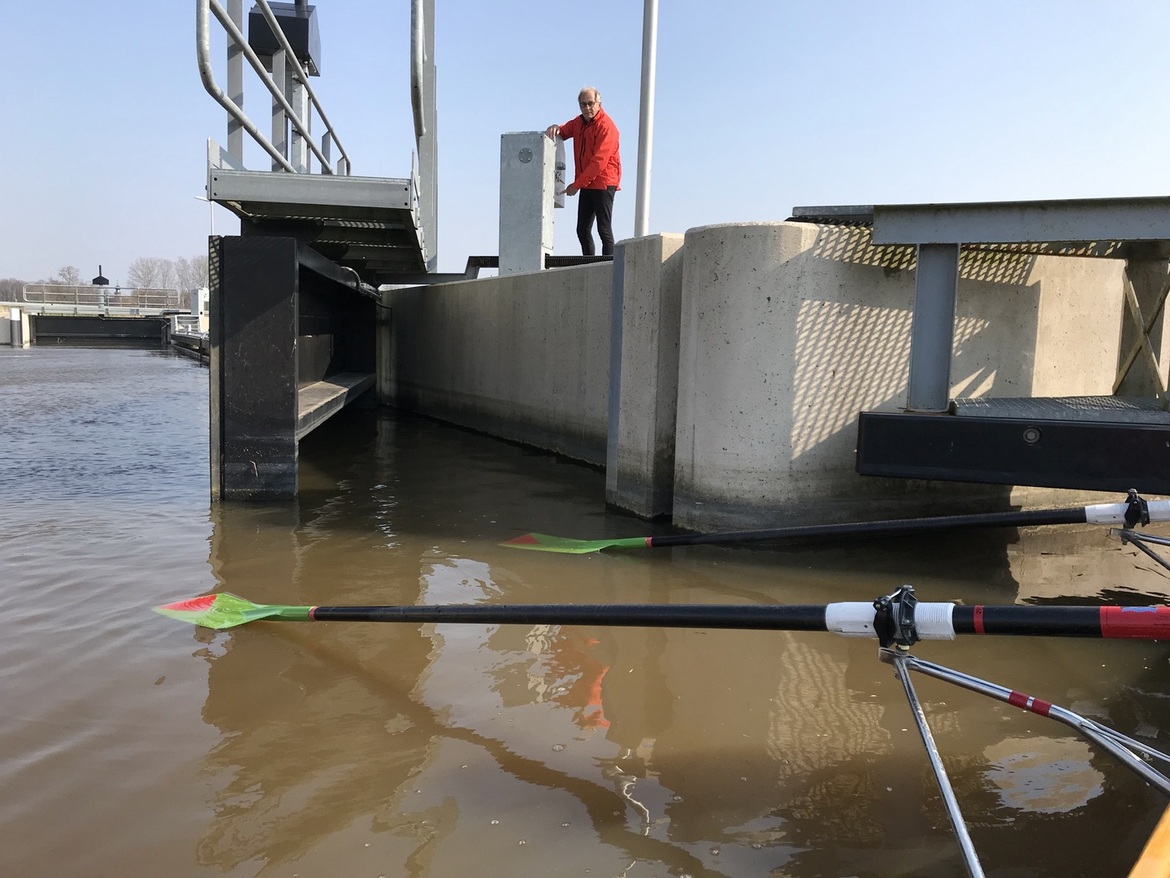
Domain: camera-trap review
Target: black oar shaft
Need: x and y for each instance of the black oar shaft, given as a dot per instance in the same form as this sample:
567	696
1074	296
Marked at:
1025	620
788	618
894	527
1149	623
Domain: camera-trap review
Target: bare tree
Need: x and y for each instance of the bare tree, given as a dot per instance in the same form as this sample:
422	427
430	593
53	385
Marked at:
152	272
11	289
200	261
68	274
192	273
143	272
170	276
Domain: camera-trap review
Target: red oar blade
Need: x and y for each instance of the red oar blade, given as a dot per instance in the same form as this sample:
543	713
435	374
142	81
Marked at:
225	610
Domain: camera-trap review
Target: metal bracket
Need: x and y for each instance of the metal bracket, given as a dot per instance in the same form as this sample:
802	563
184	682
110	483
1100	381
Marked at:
1137	511
894	620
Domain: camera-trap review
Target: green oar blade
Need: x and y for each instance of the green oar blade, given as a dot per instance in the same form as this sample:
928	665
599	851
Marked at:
570	546
225	610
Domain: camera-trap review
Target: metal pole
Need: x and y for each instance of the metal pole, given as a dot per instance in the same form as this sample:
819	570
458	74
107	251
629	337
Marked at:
646	118
970	858
235	84
210	211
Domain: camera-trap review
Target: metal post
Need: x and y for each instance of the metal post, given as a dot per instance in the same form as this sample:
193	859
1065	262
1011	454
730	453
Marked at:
210	211
932	329
297	95
646	118
235	84
428	145
279	118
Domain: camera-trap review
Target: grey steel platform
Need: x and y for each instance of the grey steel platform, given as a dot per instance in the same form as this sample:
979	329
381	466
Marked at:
369	224
1096	443
1065	227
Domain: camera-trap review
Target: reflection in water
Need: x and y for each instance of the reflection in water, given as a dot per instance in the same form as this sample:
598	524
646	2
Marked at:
433	750
518	747
1042	774
697	752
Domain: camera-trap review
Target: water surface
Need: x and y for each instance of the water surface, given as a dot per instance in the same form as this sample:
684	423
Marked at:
134	745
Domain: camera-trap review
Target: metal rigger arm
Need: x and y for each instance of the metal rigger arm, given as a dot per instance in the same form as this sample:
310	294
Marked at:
896	629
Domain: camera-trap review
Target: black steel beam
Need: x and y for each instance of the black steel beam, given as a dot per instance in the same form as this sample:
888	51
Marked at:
1083	455
98	328
254	303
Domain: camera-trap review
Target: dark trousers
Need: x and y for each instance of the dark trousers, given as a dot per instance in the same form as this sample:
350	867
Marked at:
595	203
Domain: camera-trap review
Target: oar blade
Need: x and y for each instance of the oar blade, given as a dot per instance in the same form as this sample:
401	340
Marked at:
223	610
570	546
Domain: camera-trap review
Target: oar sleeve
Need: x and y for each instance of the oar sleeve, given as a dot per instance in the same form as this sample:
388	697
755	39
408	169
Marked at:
856	618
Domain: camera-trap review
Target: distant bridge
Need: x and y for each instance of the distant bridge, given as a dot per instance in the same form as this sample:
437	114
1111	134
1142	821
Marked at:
89	300
90	313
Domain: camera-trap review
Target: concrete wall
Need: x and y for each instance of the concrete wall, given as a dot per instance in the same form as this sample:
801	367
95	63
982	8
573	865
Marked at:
741	356
523	357
789	330
643	379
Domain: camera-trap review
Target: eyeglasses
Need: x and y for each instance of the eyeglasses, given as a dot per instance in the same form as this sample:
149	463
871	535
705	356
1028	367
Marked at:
585	104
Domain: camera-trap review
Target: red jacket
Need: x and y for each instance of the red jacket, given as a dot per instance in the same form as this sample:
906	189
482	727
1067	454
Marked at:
596	156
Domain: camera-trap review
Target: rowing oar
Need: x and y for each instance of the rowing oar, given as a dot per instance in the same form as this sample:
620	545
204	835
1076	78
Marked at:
932	621
1134	511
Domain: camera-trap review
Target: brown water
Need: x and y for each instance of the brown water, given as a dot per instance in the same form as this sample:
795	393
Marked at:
131	744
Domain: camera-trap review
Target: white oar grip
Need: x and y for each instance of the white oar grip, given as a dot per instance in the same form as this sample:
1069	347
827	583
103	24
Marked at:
850	618
855	619
1114	513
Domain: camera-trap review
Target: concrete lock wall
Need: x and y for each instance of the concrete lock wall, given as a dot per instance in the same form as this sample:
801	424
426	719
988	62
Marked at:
790	329
524	357
643	378
741	356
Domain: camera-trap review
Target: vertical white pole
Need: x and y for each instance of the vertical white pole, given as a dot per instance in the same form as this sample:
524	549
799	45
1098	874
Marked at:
646	118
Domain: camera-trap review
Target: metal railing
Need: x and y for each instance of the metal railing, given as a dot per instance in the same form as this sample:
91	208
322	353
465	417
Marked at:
238	43
87	296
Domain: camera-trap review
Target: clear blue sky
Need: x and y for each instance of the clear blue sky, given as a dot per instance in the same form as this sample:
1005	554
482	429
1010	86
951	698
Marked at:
761	105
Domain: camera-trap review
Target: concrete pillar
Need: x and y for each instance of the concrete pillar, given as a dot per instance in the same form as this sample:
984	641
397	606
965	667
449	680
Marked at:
17	329
527	183
643	374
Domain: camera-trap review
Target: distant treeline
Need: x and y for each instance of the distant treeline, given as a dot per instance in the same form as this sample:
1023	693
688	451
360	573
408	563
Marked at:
146	272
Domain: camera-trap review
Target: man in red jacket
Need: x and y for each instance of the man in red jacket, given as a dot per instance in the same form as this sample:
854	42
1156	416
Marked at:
598	166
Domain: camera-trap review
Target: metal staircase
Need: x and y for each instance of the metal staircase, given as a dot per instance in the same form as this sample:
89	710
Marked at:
379	227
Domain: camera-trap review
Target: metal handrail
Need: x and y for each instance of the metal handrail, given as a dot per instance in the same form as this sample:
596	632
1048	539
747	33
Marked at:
87	295
203	54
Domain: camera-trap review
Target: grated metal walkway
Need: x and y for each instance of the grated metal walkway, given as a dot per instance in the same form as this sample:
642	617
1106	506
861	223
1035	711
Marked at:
1101	409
